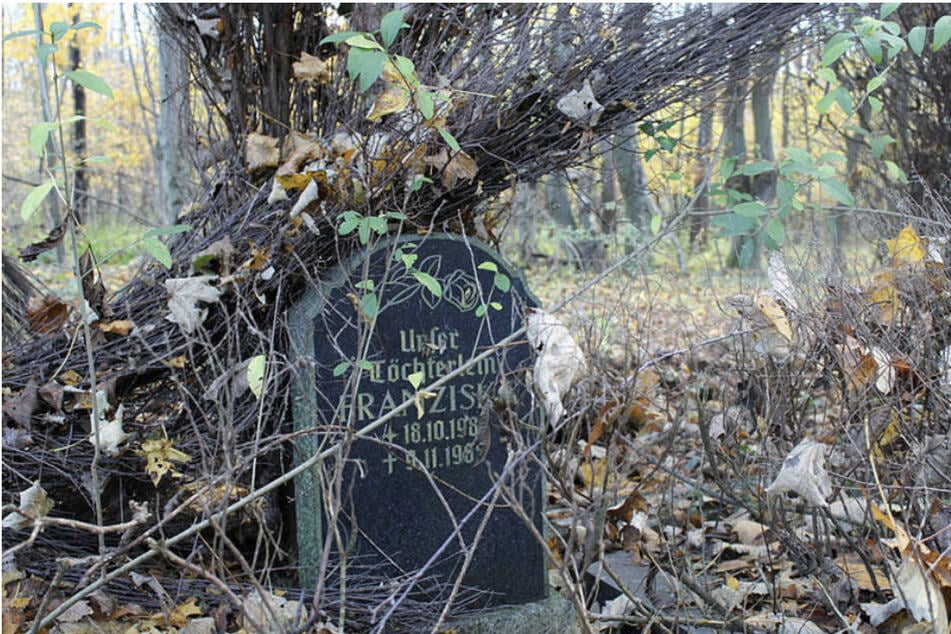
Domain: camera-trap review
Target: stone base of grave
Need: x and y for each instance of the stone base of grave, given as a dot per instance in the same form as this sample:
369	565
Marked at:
554	615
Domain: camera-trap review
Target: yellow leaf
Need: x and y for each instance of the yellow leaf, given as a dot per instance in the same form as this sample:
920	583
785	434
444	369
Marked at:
255	373
120	327
183	611
291	182
177	362
71	377
159	455
732	582
311	68
907	248
882	295
776	314
392	100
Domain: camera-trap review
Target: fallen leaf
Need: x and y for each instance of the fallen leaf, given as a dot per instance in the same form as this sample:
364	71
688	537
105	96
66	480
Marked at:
775	313
186	293
34	504
159	455
76	612
311	68
120	327
255	374
581	105
110	434
803	472
921	594
184	611
559	361
907	248
261	152
46	315
20	407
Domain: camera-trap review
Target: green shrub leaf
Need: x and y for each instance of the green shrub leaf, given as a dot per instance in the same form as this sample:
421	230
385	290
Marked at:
88	80
390	26
35	198
942	32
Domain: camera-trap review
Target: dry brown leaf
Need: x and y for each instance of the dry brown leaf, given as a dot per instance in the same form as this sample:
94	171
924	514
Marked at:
775	313
34	504
261	152
20	407
184	611
71	378
46	315
311	68
120	327
804	473
302	155
185	295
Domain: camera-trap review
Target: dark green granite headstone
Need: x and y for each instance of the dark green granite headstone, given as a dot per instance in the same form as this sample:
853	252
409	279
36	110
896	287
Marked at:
395	518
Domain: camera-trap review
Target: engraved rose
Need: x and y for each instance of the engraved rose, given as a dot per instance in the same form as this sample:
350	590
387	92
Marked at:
461	290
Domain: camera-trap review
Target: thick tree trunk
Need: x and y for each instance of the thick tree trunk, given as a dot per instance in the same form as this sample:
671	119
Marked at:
700	221
632	180
80	183
734	109
173	123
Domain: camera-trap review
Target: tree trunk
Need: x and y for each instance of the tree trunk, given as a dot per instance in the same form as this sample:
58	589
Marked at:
559	206
173	123
742	247
80	183
608	205
700	221
632	180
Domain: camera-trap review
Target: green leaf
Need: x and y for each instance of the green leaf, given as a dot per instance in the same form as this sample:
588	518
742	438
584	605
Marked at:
58	29
390	26
655	224
746	254
370	305
844	99
79	26
879	143
775	231
887	9
726	167
336	38
408	259
157	249
166	231
365	285
416	379
363	231
365	64
825	103
834	51
424	99
838	191
480	310
896	172
365	42
35	198
340	368
95	159
495	305
16	34
44	50
351	220
734	225
255	374
88	80
753	209
874	84
755	168
873	48
488	266
891	27
364	364
502	282
431	283
449	139
827	74
39	133
875	104
800	156
942	32
831	157
916	39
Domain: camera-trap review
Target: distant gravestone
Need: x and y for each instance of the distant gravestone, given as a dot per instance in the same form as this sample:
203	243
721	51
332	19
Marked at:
407	312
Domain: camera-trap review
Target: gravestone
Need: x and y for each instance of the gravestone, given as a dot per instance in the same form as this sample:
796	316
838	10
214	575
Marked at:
417	490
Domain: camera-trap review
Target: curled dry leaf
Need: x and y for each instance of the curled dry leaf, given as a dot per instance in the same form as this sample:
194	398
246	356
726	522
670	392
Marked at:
460	167
120	327
110	434
20	407
34	505
921	594
560	361
185	295
261	152
46	315
394	98
803	472
580	105
271	612
311	68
